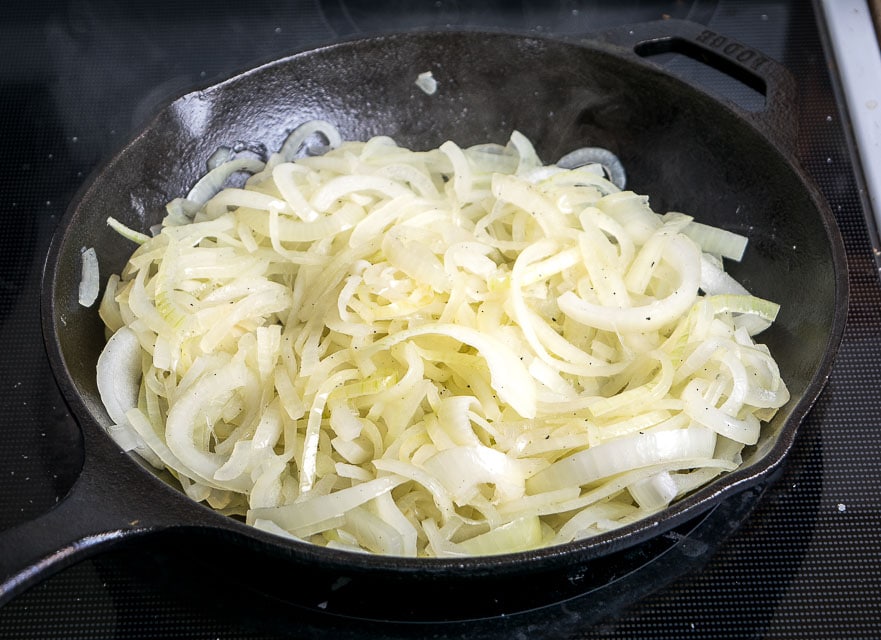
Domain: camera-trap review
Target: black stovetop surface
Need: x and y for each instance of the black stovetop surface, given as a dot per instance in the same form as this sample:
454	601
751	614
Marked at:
78	78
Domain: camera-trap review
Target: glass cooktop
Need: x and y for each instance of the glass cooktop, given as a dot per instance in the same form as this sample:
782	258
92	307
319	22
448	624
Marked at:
798	557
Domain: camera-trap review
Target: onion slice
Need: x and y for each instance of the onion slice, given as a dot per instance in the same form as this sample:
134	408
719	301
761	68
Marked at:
90	284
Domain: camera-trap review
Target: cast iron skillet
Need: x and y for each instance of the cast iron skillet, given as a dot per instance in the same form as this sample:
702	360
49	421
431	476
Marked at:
687	149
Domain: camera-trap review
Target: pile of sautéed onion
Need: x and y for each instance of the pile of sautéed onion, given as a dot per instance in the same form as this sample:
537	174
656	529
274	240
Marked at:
449	352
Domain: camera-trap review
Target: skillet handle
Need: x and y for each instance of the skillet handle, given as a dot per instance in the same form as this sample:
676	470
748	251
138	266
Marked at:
778	120
100	511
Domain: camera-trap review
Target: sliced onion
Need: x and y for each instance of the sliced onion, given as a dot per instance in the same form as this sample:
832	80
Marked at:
596	155
426	82
119	373
297	138
462	469
449	352
618	456
685	258
312	510
90	285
